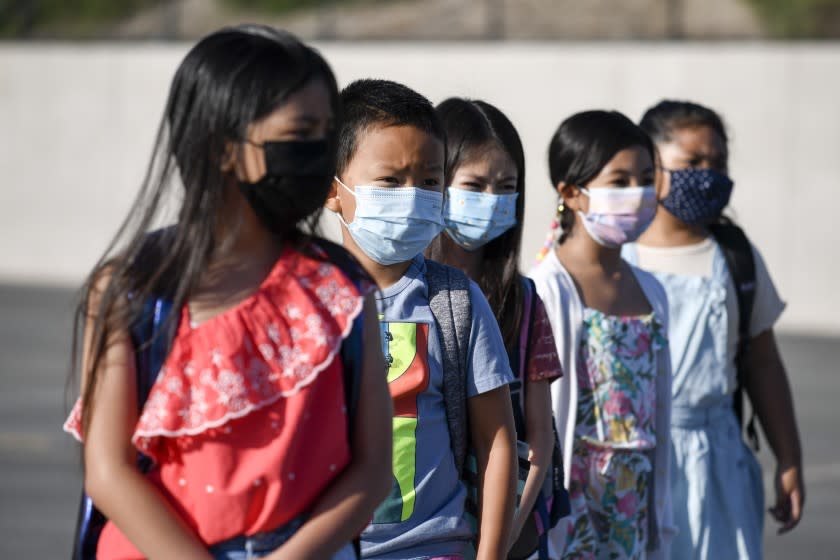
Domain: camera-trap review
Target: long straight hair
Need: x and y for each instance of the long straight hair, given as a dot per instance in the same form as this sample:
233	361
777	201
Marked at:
471	127
228	80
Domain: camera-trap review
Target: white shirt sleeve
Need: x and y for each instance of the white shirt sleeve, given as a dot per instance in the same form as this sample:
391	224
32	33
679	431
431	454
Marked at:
768	306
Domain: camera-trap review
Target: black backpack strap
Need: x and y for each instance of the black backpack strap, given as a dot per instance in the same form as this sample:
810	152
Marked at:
340	257
738	253
352	347
351	359
449	300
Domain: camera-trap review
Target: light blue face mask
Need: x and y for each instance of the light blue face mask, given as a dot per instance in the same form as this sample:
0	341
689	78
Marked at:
476	218
394	224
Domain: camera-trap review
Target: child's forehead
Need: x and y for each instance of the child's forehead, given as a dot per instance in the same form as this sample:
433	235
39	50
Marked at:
401	133
399	144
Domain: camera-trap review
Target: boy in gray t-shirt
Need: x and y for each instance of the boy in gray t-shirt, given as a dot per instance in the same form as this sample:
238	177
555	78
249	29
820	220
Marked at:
388	196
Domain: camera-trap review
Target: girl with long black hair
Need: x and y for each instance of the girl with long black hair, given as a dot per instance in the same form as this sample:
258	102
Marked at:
246	424
484	211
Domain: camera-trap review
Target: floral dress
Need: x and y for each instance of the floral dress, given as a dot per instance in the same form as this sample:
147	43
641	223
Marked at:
615	435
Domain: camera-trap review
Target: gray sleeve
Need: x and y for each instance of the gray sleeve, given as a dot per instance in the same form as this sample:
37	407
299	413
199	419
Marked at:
768	306
487	361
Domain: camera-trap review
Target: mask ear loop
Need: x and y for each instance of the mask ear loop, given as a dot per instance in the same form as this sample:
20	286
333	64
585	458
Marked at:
551	238
338	214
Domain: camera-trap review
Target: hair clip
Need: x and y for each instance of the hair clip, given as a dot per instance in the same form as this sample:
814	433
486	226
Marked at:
551	238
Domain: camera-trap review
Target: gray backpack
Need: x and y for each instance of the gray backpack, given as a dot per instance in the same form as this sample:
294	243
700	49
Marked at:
449	300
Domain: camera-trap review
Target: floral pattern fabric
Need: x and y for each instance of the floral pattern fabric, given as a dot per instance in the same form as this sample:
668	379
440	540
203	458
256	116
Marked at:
609	493
614	436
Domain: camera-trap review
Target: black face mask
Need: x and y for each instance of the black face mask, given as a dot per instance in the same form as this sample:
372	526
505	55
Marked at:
296	183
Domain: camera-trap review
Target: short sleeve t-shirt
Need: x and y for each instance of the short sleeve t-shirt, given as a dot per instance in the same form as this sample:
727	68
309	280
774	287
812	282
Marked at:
702	383
698	260
544	364
423	516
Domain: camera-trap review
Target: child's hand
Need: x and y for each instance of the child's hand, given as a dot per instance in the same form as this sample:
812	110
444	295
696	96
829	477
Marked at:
790	497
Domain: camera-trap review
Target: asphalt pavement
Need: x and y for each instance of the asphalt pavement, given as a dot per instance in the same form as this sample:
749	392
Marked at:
40	465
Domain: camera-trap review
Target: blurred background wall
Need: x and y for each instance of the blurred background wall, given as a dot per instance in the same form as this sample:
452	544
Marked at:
78	121
428	19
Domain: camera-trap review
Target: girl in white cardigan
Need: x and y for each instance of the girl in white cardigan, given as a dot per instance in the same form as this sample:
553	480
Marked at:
612	407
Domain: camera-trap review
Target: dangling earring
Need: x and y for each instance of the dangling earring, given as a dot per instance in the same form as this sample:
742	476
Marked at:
551	238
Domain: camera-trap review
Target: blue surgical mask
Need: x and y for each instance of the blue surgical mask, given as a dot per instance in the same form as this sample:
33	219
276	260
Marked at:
394	224
697	196
476	218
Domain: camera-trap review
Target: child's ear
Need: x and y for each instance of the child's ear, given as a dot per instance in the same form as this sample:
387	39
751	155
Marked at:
228	158
568	193
333	202
565	190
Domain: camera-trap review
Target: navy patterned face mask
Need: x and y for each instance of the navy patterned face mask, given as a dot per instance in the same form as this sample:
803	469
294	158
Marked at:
697	196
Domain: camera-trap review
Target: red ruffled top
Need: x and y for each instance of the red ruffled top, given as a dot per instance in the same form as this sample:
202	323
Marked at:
246	422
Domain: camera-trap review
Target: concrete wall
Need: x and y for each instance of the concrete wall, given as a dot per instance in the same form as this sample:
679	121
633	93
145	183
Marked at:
77	124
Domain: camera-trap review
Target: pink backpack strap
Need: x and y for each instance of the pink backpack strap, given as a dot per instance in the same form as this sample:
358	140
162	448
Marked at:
525	331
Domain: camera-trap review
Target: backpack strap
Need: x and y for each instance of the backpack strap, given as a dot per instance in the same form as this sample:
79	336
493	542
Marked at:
352	347
520	356
449	300
150	336
351	360
340	257
737	251
151	344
